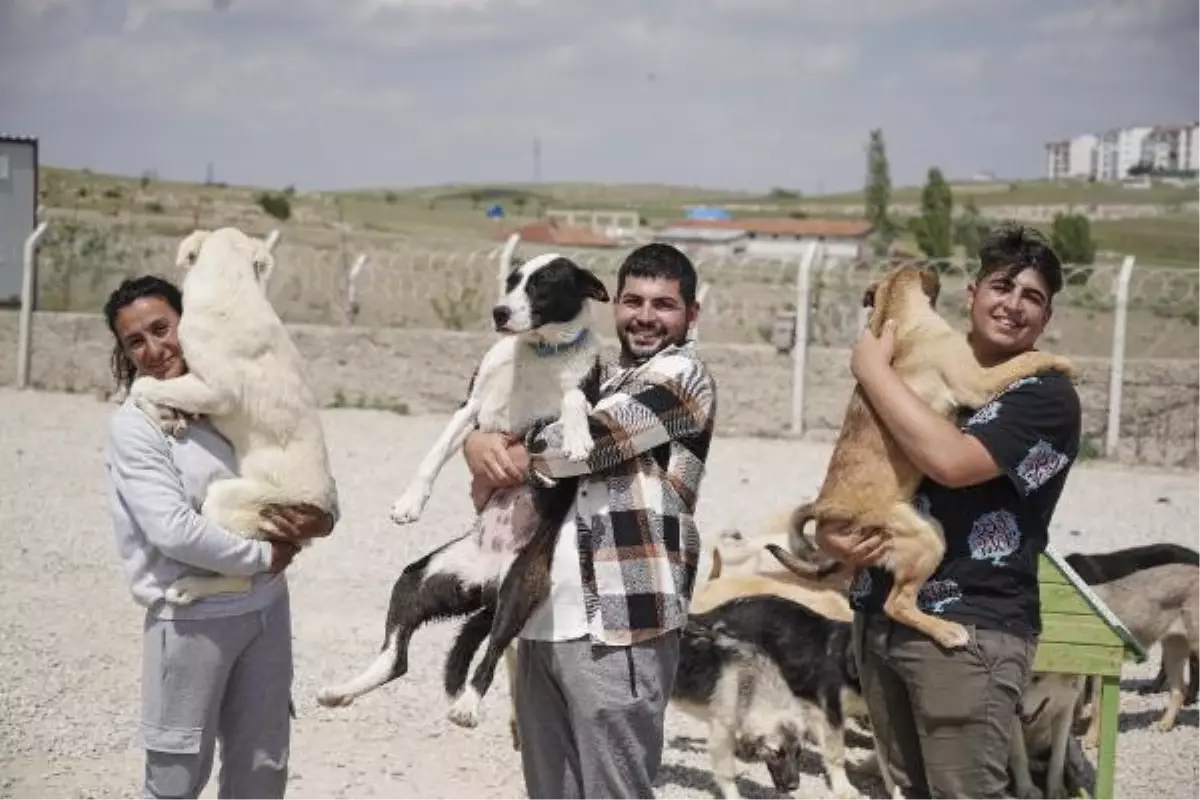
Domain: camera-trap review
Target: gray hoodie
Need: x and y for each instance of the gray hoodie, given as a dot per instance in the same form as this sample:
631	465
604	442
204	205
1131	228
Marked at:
155	485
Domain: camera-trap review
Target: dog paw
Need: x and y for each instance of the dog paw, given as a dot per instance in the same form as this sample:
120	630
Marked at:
465	711
577	447
178	594
409	507
332	698
954	636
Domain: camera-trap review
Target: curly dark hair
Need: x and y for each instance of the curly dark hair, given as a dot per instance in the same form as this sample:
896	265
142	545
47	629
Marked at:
132	289
1014	248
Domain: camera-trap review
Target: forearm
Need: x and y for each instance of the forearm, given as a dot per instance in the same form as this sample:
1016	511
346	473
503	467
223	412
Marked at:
934	444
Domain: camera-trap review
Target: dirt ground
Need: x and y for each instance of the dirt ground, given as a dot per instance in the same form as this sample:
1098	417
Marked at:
70	634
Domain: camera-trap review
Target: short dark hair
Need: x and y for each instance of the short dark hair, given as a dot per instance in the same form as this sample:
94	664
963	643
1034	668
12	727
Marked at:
658	260
1014	248
132	289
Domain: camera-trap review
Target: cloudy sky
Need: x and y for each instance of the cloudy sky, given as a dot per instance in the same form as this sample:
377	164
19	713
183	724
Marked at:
723	93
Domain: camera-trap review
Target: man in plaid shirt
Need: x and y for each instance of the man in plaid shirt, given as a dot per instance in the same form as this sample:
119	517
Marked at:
597	660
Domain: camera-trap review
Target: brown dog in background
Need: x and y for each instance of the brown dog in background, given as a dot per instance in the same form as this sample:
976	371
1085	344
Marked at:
870	482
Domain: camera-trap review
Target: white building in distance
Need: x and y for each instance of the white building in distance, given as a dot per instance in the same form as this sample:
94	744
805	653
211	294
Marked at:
1109	155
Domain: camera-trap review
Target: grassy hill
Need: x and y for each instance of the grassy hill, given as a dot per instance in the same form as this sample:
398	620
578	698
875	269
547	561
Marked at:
456	211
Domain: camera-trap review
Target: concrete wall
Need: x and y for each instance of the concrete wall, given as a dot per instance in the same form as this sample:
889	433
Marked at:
426	371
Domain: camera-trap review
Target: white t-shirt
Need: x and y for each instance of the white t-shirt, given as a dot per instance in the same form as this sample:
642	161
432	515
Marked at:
562	616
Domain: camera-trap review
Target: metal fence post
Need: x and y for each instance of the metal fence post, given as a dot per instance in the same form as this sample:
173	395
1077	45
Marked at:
272	239
25	337
694	331
800	346
505	263
352	287
1116	368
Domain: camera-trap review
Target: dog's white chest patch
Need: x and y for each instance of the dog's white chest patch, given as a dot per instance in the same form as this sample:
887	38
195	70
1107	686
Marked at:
525	387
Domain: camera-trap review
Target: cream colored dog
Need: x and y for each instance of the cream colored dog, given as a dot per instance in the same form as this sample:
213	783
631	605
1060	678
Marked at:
870	483
247	377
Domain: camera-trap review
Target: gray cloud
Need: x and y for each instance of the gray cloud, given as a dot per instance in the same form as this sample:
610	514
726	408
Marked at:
736	93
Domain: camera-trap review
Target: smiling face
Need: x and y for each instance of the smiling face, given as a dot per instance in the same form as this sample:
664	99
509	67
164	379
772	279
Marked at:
650	315
546	291
1008	313
148	330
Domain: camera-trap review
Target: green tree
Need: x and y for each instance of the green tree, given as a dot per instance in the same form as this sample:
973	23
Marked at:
878	192
935	227
1071	238
970	229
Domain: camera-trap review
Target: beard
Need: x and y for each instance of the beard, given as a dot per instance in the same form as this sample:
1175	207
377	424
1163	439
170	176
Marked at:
640	342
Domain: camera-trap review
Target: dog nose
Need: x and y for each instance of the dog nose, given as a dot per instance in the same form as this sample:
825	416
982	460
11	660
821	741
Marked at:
501	314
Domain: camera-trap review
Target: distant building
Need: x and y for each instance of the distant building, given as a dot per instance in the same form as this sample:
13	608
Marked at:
844	239
1071	159
606	222
1170	148
18	210
558	234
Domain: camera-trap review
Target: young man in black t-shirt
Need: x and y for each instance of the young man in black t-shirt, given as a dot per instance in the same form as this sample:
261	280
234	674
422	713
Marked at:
942	718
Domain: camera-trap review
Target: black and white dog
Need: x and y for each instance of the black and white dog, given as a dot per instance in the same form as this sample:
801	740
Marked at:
763	672
547	366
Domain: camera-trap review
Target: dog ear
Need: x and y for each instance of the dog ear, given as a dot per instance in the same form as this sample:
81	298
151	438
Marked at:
868	300
189	248
931	284
590	286
264	263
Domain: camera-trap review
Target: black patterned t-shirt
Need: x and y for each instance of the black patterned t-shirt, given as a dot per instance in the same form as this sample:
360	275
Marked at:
996	530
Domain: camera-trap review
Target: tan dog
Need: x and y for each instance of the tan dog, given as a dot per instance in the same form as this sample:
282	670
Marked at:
870	483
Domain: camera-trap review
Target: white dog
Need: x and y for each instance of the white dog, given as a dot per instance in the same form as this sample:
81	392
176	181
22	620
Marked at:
247	377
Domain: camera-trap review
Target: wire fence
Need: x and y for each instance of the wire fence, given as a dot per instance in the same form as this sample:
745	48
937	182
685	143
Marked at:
387	281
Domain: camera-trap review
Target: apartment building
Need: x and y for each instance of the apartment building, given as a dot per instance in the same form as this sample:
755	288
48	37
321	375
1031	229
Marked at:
1108	156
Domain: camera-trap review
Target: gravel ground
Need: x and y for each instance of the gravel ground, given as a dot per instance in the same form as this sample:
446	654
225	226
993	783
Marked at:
70	635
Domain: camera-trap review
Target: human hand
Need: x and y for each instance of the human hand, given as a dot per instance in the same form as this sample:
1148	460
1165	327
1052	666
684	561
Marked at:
282	554
850	544
495	460
872	354
296	523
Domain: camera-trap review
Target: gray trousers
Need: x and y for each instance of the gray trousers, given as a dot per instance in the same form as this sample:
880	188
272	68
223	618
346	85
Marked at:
210	680
591	717
943	717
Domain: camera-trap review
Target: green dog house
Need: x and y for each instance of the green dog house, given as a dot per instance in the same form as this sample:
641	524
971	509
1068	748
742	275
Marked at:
1081	636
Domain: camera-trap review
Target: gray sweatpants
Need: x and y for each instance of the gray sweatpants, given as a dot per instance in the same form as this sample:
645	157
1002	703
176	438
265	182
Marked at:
209	680
591	717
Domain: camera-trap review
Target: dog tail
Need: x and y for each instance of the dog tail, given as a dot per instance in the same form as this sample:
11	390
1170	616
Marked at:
799	543
802	568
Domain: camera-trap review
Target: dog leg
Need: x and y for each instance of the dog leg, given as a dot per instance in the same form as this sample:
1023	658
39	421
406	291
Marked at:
458	660
1175	652
510	667
917	550
1091	739
1060	731
422	593
722	745
974	386
169	402
525	586
831	739
410	505
1018	762
577	439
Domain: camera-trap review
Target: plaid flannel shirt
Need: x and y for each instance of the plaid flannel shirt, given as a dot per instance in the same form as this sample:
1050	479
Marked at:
636	500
